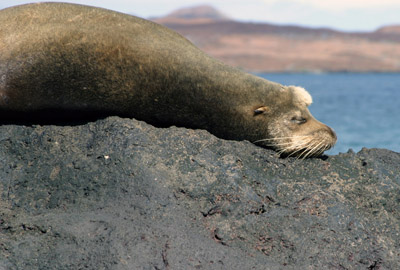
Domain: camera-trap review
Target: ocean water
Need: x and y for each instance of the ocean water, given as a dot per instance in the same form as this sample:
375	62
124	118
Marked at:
363	109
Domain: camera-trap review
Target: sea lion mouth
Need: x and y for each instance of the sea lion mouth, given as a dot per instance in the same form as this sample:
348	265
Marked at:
302	147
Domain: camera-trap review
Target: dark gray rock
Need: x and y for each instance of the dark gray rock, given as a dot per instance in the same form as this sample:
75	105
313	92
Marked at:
121	194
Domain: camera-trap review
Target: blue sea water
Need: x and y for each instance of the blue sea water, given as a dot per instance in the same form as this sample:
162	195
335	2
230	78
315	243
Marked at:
363	109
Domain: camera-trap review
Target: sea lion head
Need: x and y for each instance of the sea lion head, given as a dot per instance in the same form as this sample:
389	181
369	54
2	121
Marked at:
291	129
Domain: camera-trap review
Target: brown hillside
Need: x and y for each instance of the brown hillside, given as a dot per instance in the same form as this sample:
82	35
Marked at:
391	29
273	48
195	15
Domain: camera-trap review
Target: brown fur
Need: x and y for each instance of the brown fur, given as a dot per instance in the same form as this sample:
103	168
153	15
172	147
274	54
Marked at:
65	57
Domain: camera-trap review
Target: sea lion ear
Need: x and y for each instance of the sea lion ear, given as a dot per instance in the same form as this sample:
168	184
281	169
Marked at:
260	110
301	96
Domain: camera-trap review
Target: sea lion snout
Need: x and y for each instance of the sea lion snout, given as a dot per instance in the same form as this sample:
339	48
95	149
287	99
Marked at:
332	133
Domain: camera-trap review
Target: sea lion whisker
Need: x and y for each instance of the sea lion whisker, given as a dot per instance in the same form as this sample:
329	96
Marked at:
301	153
281	138
291	137
299	148
326	147
313	150
291	146
305	140
309	150
290	143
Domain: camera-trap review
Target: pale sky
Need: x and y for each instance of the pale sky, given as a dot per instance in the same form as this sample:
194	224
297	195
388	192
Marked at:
348	15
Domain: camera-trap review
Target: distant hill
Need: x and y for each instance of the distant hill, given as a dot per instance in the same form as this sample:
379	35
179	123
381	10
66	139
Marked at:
391	29
263	47
194	15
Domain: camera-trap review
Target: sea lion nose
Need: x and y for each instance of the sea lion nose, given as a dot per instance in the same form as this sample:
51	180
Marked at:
332	133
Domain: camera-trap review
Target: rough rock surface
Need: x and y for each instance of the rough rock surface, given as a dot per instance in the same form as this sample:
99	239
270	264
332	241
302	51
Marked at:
121	194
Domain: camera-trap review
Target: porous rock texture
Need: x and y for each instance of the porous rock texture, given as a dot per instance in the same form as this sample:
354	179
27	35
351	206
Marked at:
121	194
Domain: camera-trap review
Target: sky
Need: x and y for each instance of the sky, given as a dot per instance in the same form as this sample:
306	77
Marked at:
345	15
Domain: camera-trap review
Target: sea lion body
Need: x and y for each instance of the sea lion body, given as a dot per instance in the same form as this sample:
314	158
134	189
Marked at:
71	58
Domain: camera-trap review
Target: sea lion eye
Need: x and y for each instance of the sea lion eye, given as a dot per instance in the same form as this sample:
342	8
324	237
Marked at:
260	110
299	120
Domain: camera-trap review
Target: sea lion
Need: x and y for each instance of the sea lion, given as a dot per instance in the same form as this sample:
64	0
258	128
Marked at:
68	58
